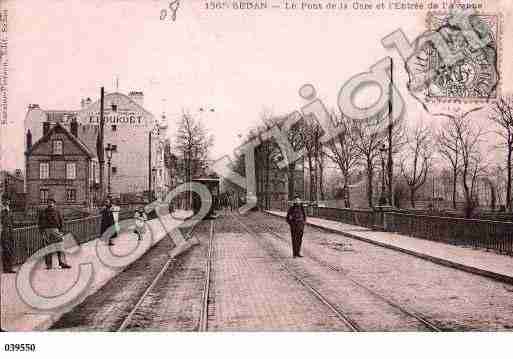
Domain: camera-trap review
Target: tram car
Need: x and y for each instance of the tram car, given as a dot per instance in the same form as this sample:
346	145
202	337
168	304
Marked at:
213	186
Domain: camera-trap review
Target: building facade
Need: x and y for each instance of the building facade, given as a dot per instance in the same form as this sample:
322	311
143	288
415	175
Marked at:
12	184
137	162
60	166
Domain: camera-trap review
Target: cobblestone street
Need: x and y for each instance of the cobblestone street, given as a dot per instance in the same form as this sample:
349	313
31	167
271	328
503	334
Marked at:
254	284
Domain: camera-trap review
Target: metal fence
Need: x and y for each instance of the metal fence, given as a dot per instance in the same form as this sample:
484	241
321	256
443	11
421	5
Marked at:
28	240
492	235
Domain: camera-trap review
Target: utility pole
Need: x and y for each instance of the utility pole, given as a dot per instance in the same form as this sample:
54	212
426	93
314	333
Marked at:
150	195
100	150
390	125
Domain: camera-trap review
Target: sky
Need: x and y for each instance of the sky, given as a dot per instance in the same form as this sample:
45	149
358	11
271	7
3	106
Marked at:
239	63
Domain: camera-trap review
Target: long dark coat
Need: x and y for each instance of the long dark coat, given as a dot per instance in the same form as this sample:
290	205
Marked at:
107	218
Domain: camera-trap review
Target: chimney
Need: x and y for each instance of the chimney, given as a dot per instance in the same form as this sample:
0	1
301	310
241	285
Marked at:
29	140
46	127
32	106
74	127
137	96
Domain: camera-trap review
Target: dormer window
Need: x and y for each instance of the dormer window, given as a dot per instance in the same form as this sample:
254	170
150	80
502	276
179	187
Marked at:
114	107
57	147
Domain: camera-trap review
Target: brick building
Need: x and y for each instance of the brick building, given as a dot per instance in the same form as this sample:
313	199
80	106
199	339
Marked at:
61	166
129	127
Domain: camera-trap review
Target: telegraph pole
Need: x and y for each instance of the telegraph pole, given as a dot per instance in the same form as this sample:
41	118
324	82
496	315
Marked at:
100	149
150	195
390	125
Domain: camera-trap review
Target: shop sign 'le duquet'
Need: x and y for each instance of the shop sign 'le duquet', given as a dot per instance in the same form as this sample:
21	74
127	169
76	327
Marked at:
122	117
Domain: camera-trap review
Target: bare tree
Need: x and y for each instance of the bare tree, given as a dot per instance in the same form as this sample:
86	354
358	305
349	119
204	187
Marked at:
502	115
450	150
367	139
417	160
470	137
193	143
344	153
312	134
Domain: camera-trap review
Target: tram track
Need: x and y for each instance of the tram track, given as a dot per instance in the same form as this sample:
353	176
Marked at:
341	315
203	320
127	321
420	318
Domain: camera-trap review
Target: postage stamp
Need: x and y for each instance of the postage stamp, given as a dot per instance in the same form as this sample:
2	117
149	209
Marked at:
474	46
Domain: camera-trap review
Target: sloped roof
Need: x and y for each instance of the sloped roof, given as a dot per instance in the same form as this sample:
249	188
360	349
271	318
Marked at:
74	139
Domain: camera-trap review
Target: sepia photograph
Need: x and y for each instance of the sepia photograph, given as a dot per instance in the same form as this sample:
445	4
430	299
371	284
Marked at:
290	173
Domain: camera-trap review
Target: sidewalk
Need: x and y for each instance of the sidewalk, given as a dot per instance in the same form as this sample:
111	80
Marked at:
16	315
495	266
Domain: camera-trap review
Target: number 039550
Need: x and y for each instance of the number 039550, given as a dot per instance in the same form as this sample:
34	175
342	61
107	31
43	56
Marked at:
20	347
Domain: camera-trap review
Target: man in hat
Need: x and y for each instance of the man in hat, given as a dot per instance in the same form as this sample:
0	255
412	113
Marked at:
6	235
296	218
50	226
110	216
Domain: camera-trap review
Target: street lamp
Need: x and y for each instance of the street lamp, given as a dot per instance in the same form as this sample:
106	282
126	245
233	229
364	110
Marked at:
108	152
154	180
382	151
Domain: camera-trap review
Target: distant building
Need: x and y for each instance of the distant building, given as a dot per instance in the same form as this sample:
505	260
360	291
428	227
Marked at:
59	165
13	185
127	127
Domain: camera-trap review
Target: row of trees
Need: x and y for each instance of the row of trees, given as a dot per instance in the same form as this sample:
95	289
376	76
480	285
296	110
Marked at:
456	150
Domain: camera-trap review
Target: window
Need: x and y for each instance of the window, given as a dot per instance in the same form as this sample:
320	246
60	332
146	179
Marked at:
43	195
114	148
71	195
44	170
114	128
71	170
114	107
114	170
57	147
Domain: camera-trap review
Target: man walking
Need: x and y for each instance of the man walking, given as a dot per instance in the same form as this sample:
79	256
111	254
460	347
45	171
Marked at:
6	235
110	215
296	218
50	226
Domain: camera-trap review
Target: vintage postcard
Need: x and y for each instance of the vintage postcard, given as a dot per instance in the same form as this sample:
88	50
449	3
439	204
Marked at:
255	166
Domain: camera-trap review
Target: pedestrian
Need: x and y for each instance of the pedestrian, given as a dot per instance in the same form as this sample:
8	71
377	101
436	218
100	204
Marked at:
50	226
110	216
6	238
140	223
296	218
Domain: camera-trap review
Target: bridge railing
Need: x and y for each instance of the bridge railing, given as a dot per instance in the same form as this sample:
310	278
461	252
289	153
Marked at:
28	240
492	235
486	234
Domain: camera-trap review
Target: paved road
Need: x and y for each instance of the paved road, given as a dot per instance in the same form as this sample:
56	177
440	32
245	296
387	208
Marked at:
256	285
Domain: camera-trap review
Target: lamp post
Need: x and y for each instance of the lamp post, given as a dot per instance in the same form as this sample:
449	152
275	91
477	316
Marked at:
108	152
382	151
150	166
154	180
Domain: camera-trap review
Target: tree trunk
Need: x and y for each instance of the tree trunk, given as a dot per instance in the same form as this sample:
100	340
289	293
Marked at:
347	199
509	202
454	180
291	183
370	176
312	180
412	197
321	179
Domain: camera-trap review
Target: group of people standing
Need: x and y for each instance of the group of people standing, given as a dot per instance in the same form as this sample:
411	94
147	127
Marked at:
110	221
50	225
